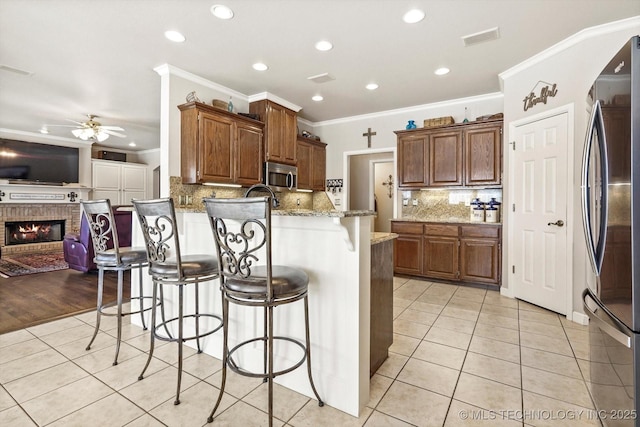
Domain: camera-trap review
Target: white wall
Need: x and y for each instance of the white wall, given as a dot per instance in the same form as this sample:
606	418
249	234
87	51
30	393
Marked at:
573	65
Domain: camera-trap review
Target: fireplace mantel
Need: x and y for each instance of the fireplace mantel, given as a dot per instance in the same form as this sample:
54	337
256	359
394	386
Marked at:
33	193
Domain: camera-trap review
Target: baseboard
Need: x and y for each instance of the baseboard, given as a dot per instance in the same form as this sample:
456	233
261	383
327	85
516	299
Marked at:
580	318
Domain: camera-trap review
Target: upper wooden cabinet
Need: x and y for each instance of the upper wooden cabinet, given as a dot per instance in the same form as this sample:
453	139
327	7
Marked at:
468	154
280	131
312	163
218	146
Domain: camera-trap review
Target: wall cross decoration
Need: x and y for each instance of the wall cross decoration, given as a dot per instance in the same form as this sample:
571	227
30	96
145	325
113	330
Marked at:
368	134
389	183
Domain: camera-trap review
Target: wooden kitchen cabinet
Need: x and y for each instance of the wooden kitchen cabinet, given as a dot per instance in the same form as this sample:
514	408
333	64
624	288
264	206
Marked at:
407	250
118	181
312	163
413	160
219	147
468	253
463	154
280	131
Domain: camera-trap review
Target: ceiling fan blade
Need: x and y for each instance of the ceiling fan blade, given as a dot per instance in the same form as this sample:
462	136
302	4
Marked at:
112	128
62	126
76	122
110	132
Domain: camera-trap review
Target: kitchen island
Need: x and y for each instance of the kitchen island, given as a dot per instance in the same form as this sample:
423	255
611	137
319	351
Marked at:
334	248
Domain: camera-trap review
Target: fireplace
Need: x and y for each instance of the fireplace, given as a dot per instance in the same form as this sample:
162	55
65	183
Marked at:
28	232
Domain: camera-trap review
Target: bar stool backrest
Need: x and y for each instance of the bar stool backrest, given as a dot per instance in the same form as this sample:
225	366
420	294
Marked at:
239	247
158	223
102	225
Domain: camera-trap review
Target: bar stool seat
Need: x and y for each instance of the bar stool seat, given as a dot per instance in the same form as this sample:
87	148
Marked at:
109	256
168	267
285	282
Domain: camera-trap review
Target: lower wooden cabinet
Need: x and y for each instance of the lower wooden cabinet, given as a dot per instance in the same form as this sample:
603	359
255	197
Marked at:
457	252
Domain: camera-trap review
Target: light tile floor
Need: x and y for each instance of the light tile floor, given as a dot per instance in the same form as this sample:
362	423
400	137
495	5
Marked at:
460	356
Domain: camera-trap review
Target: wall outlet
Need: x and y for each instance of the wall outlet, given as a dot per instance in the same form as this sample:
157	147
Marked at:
405	202
415	202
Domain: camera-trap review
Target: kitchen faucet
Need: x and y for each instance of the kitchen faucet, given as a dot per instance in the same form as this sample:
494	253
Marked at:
261	187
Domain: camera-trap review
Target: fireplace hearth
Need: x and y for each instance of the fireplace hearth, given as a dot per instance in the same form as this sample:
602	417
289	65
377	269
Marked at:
28	232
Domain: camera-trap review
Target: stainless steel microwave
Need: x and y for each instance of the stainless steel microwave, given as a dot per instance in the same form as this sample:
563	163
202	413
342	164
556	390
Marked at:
280	177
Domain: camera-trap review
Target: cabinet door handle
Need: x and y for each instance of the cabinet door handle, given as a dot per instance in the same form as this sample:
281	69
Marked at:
559	223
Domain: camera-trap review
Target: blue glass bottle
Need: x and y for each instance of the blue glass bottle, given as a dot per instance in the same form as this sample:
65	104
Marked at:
411	124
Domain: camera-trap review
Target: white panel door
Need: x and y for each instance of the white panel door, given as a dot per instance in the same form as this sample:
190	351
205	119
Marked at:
539	192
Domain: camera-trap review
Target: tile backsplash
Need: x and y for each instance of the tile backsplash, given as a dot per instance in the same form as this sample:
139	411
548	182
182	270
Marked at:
445	204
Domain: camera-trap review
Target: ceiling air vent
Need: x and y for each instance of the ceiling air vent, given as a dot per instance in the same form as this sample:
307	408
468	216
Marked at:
481	37
321	78
15	70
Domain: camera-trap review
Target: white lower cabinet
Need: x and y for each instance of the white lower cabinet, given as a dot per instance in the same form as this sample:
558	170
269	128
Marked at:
118	181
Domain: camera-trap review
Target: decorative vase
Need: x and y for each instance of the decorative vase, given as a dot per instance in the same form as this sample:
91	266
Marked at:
411	124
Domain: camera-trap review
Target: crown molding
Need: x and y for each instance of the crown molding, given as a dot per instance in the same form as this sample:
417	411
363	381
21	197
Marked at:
167	69
275	98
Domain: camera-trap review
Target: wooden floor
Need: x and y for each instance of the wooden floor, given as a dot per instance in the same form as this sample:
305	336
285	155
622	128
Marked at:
38	298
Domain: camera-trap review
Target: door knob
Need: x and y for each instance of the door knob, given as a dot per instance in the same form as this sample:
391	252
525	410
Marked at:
559	223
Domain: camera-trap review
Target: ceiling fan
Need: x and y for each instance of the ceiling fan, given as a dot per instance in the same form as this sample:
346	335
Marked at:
94	130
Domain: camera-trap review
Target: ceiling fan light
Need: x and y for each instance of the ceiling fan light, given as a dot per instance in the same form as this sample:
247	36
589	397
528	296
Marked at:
101	136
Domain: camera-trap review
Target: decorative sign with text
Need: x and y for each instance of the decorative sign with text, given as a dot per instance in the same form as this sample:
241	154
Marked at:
35	196
545	89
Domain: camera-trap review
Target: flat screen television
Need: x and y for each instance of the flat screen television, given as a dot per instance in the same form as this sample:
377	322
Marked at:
33	163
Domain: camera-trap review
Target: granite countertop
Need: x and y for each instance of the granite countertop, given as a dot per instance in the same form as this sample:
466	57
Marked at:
299	212
379	237
445	221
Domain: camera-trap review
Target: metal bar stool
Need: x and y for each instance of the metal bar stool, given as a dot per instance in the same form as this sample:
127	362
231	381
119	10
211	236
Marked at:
249	281
109	256
168	267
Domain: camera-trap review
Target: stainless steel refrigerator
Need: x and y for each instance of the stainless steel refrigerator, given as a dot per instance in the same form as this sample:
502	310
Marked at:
611	216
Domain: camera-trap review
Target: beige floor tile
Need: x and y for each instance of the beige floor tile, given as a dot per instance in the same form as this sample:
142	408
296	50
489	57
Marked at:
577	335
404	345
511	336
103	359
22	349
448	337
585	369
78	348
455	324
408	292
11	338
526	306
434	298
545	343
426	307
464	304
6	401
397	311
119	410
56	326
494	298
581	350
498	310
570	324
15	417
236	385
472	294
403	303
378	419
29	364
464	415
546	412
494	348
127	372
440	354
540	316
243	414
393	365
196	404
314	416
488	394
429	376
411	329
399	281
414	405
555	331
377	388
59	338
460	313
418	316
157	388
556	386
552	362
67	399
493	369
145	421
129	331
286	402
497	320
44	381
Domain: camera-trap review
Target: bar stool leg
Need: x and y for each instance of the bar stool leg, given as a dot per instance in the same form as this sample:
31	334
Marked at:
265	353
154	304
180	314
140	296
197	307
119	303
99	306
225	354
270	373
306	327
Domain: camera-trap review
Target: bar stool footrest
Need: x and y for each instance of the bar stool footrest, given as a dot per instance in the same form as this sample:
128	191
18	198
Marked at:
238	370
192	316
128	300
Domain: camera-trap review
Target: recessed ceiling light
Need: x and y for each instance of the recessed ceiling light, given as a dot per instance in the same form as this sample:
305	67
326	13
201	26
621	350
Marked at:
442	71
413	16
317	98
174	36
324	45
259	66
221	11
44	130
132	144
372	86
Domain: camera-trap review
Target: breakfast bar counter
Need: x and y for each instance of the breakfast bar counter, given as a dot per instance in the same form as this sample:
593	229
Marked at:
334	248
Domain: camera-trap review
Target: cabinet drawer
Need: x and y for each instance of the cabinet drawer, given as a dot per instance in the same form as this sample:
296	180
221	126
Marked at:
406	227
480	231
441	230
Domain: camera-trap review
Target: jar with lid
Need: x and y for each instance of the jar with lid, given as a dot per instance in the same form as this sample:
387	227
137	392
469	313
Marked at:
477	210
493	211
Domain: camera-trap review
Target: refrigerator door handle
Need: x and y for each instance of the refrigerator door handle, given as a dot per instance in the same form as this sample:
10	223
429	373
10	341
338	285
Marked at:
595	248
609	324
